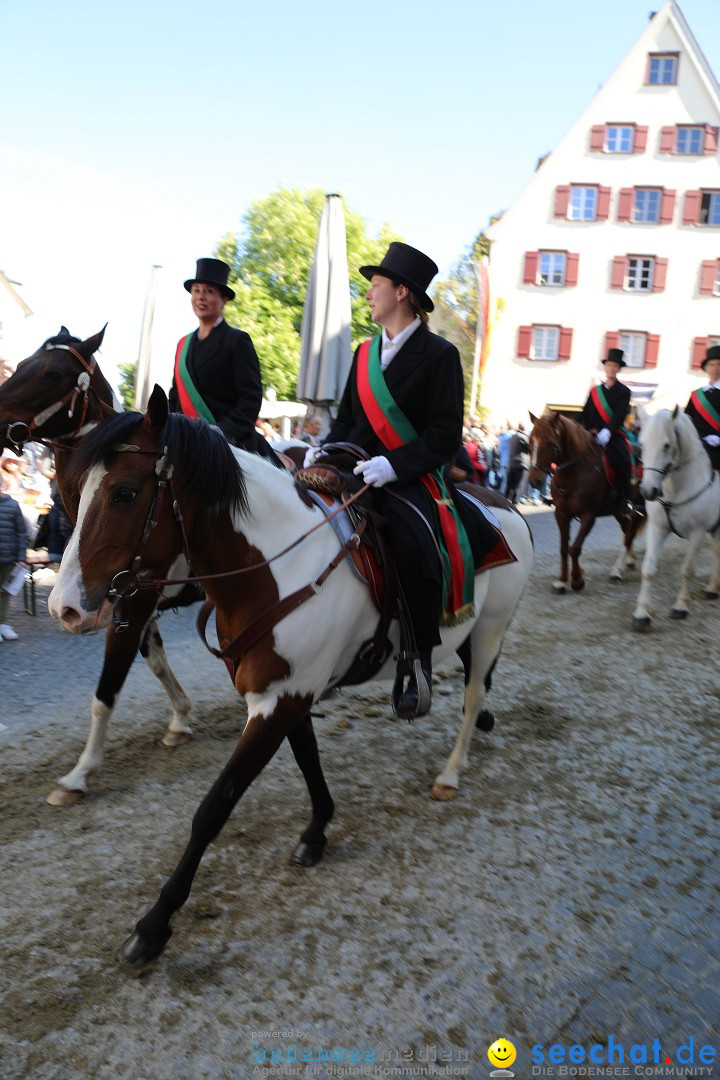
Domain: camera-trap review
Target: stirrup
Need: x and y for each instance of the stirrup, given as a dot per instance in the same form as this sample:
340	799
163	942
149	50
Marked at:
408	664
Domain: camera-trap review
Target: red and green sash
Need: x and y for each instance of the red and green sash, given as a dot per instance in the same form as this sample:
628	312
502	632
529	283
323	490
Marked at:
393	428
710	414
601	404
191	402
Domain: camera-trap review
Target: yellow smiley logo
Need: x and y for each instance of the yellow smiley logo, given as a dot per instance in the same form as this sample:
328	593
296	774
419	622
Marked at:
502	1053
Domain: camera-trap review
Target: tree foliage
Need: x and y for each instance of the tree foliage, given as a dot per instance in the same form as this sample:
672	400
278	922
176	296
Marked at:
270	267
126	385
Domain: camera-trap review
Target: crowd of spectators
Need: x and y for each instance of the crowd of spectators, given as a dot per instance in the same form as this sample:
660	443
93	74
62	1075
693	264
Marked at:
499	457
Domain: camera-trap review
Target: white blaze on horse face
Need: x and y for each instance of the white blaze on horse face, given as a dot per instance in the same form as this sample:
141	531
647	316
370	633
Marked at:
68	593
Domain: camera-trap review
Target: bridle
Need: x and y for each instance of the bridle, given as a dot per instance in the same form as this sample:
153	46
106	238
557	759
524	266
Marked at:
20	432
126	583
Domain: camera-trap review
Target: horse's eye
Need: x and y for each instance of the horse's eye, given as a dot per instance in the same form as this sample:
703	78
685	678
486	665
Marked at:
53	376
123	495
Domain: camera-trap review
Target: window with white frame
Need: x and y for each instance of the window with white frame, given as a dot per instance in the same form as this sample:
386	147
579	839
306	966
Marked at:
646	208
583	203
545	343
551	267
639	273
633	345
710	208
662	69
620	139
689	140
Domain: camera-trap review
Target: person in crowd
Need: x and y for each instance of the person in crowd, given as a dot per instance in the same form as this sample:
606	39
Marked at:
604	414
311	428
703	408
476	455
217	372
502	461
13	550
518	466
403	405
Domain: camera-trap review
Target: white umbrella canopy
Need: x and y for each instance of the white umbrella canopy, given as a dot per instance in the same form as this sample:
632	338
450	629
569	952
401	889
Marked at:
326	356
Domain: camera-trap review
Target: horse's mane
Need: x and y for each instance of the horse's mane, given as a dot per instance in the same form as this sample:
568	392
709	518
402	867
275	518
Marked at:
63	337
205	465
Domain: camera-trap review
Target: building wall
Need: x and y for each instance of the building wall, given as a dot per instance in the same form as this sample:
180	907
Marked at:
679	314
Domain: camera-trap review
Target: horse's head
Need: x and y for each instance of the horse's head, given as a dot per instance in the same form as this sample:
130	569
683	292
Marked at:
134	473
545	446
48	396
669	441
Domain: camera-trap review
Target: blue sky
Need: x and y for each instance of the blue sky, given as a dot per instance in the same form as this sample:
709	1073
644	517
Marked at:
138	134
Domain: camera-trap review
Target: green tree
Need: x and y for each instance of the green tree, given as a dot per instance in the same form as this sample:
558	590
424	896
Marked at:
270	267
126	386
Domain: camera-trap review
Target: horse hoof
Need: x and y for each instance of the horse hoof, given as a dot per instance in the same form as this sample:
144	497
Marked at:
139	951
559	587
678	613
615	577
307	854
578	586
641	624
630	564
62	797
708	595
175	738
485	720
442	793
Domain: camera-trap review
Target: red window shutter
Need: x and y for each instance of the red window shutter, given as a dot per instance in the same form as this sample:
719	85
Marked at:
524	341
617	272
565	345
640	142
597	137
562	200
711	139
652	344
698	352
571	268
612	341
660	275
603	204
667	207
708	273
691	212
668	137
625	203
531	264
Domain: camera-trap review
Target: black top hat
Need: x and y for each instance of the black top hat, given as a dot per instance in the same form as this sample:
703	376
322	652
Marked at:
616	355
212	272
408	266
713	353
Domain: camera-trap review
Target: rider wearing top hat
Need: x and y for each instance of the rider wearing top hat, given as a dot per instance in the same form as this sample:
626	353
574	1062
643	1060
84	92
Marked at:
703	408
217	373
403	405
604	413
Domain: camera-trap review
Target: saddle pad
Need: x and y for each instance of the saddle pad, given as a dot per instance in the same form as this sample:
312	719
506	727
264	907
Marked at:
500	554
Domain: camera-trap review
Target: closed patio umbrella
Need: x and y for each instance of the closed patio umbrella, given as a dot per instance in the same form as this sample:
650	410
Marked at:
325	356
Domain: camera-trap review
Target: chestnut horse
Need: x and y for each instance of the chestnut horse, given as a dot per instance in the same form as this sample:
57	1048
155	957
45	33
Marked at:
579	488
58	395
237	517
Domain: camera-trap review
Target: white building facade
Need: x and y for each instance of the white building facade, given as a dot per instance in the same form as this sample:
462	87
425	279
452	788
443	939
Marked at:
615	242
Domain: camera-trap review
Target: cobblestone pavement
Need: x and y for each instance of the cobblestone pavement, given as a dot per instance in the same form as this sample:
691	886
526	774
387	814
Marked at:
569	896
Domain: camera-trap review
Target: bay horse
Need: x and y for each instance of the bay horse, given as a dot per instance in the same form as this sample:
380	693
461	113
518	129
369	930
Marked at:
580	490
57	396
682	493
234	515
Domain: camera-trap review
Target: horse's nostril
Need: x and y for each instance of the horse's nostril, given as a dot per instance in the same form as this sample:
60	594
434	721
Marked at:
70	617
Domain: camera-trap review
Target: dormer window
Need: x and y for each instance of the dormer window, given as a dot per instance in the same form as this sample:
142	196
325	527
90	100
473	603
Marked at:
662	69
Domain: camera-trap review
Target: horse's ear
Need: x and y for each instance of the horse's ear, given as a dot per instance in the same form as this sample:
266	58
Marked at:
533	417
675	412
92	344
157	410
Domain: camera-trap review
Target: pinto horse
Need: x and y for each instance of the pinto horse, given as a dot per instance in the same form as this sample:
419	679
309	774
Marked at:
579	488
251	539
682	493
58	395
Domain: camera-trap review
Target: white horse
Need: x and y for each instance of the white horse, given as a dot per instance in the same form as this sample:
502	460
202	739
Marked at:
682	493
239	511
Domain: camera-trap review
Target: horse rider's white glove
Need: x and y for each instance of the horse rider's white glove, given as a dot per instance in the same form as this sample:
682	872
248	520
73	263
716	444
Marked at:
310	456
603	436
712	440
377	471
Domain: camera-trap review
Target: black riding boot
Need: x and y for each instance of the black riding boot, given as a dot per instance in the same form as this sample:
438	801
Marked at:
410	700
